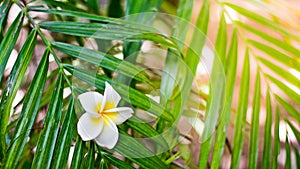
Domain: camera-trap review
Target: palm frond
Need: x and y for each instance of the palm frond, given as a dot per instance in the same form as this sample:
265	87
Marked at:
141	52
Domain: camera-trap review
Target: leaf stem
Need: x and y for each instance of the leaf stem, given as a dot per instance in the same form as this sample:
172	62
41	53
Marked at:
48	44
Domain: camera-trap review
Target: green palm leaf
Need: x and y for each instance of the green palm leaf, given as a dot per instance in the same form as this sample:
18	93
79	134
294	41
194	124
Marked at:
253	152
241	114
230	70
78	156
277	42
127	146
103	60
28	114
289	108
116	162
262	20
4	8
14	81
276	149
64	139
267	152
9	40
48	136
280	71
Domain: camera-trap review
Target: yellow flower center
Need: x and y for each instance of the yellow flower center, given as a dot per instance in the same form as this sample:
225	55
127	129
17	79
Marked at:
108	105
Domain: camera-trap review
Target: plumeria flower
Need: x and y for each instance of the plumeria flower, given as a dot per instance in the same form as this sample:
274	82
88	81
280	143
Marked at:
102	115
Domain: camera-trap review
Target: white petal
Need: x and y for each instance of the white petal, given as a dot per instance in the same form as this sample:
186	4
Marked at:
89	127
120	114
90	101
110	97
109	135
